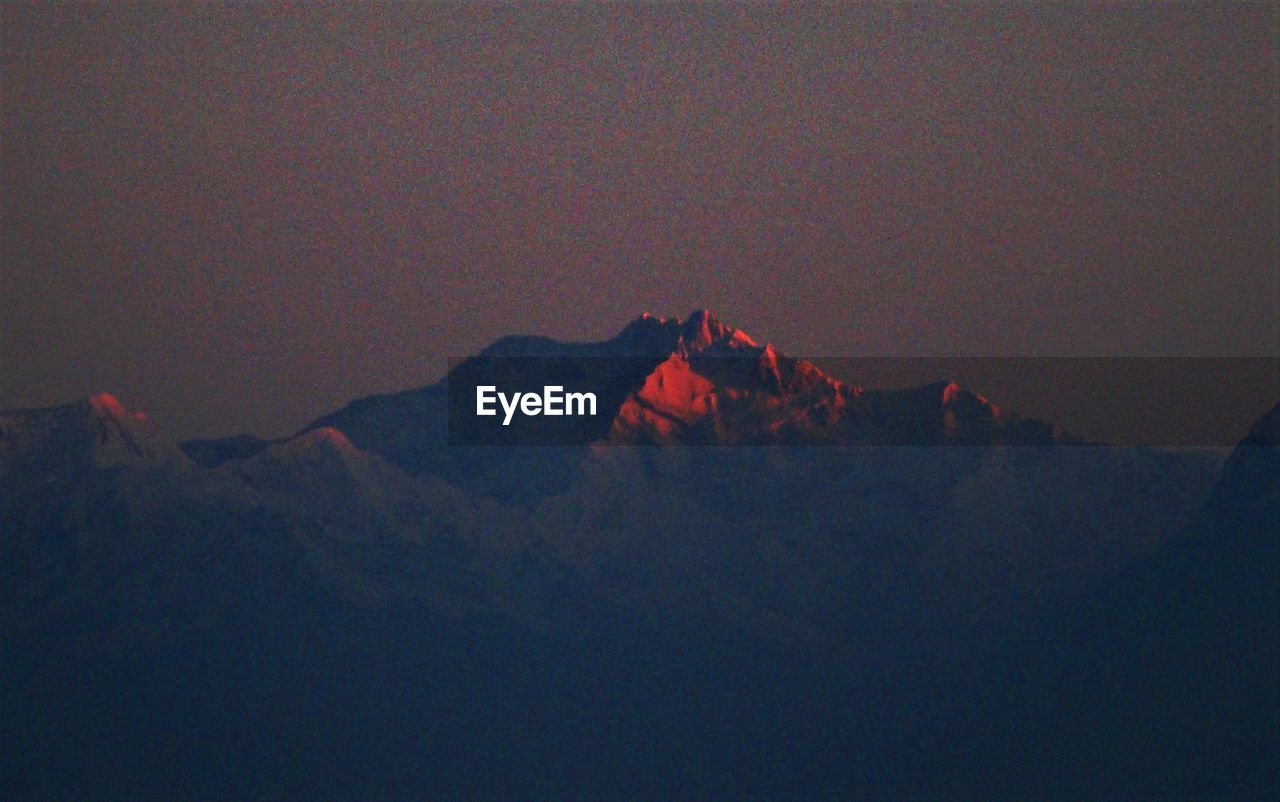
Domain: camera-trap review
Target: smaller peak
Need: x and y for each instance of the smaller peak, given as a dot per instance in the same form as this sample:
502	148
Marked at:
322	445
703	328
646	321
954	396
96	431
107	405
647	335
323	448
700	317
950	391
324	436
944	389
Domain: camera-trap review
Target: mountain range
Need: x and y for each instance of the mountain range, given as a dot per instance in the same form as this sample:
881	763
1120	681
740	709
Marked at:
857	591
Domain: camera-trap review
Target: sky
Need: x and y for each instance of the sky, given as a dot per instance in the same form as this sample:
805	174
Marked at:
241	217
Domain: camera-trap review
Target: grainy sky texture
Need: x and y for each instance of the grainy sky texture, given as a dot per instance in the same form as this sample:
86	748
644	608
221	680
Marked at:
240	217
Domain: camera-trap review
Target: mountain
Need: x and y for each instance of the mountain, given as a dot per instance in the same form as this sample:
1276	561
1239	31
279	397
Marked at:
367	608
659	381
94	433
699	381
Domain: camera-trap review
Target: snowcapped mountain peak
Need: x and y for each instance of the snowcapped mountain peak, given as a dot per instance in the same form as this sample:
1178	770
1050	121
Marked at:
703	316
696	380
954	396
703	329
700	331
323	444
97	431
106	405
323	438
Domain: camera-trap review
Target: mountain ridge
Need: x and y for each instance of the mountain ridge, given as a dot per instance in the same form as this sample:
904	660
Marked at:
831	602
697	381
94	432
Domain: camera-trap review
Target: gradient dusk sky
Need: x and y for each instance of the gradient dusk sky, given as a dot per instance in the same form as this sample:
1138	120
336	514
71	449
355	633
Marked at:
240	217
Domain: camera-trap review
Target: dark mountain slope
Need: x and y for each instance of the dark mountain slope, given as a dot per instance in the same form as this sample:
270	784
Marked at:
1170	661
